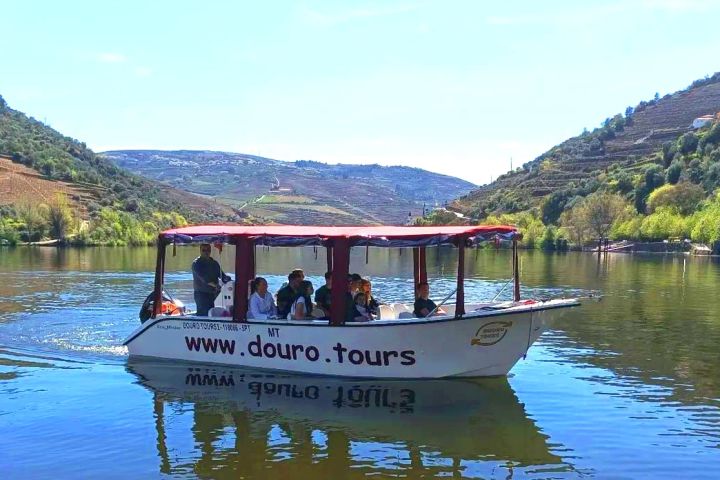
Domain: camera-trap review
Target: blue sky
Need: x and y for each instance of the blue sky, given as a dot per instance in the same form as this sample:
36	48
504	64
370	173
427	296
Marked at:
457	87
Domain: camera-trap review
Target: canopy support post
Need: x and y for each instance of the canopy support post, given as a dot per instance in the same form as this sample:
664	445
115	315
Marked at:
329	257
516	271
340	270
460	295
244	266
419	268
423	266
416	270
159	278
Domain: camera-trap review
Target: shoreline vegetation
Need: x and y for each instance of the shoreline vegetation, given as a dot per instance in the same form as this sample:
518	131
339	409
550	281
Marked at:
38	224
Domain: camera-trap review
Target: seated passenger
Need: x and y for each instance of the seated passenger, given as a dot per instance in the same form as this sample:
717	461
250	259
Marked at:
323	295
262	305
302	307
362	313
287	294
423	304
370	302
355	280
300	272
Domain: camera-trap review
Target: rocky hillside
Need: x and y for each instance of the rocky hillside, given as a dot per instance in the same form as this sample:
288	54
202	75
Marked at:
300	192
644	136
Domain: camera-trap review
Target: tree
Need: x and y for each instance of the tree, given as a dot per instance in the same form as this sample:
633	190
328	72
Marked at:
673	172
683	198
554	206
696	171
34	217
624	182
687	143
574	225
594	217
59	217
654	177
602	210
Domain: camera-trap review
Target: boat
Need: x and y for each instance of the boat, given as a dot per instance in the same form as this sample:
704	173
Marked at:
467	340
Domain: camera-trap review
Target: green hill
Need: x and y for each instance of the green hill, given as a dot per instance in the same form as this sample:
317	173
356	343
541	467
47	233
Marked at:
42	171
302	192
650	158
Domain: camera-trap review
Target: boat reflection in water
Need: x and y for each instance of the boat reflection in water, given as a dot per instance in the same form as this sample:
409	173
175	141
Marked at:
257	424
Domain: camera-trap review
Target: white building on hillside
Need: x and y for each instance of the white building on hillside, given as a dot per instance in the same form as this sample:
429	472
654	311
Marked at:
702	121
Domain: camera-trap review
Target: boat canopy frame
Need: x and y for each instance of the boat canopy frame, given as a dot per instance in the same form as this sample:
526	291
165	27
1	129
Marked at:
338	242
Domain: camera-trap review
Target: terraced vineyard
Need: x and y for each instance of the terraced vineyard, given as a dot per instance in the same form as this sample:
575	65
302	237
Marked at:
579	160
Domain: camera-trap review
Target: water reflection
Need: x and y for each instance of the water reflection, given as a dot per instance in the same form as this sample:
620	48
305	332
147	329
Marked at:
244	422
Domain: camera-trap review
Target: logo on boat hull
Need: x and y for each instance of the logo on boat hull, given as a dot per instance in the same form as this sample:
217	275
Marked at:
490	333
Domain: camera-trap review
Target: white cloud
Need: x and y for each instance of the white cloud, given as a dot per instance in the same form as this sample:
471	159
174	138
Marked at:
111	57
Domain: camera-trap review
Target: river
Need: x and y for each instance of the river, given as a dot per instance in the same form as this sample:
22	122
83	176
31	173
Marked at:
625	387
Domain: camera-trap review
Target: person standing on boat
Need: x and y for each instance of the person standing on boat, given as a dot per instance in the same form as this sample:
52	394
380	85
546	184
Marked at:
262	305
206	280
323	295
287	294
423	304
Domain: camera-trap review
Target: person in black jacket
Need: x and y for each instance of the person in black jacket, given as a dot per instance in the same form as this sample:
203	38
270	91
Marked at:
206	280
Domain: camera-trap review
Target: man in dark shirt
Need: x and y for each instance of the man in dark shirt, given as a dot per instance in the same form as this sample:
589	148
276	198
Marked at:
423	304
206	275
287	294
322	295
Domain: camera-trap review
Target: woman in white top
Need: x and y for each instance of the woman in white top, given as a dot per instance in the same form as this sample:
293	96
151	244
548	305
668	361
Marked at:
302	306
262	304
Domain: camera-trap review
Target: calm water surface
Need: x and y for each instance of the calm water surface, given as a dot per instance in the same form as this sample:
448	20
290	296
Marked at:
628	387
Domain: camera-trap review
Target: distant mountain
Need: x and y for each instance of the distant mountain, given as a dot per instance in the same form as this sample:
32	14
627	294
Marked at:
300	192
615	157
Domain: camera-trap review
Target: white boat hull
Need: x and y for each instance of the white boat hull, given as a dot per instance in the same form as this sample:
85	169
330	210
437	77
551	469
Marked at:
482	343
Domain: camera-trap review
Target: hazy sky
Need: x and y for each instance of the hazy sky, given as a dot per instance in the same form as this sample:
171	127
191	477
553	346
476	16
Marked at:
456	87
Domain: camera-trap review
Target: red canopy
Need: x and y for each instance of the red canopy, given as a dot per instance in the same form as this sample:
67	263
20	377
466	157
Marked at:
290	235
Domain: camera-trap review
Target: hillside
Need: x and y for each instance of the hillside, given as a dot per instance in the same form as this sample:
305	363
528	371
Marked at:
300	192
652	174
40	167
628	143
